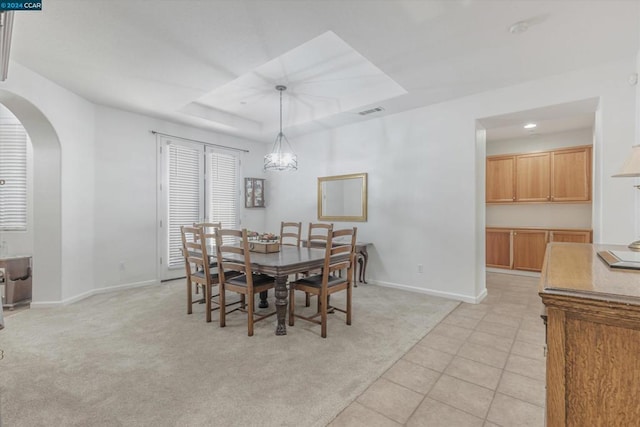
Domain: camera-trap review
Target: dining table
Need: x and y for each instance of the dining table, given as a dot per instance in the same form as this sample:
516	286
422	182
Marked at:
288	261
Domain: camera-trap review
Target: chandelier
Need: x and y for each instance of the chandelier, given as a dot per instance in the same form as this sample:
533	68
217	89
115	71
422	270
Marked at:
281	157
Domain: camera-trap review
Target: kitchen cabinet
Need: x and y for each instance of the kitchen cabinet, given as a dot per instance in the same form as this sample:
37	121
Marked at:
524	248
571	177
570	236
558	176
500	181
528	249
533	177
498	248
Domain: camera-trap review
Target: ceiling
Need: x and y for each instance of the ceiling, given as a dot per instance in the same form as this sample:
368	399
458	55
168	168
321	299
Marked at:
548	120
215	64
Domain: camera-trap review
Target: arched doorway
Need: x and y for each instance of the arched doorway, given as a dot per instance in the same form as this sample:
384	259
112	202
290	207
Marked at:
47	213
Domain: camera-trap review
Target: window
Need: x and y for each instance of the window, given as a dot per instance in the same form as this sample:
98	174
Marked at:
13	175
202	184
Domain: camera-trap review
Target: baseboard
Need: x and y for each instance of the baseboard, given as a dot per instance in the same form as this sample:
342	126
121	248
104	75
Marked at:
513	272
449	295
76	298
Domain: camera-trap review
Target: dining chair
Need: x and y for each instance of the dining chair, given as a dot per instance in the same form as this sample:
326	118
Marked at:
290	233
232	250
337	257
209	229
316	238
197	268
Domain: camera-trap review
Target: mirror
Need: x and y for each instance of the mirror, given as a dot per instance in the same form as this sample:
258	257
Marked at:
342	197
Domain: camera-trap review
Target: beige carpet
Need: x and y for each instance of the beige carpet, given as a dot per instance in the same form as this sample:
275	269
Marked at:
135	358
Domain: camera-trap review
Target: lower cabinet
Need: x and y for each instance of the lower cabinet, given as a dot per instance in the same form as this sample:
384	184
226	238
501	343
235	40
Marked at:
524	248
528	249
581	236
498	248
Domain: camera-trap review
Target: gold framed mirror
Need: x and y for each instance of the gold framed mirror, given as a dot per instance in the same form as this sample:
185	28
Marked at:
342	197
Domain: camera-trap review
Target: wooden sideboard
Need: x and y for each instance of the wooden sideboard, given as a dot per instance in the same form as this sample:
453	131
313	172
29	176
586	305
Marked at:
593	338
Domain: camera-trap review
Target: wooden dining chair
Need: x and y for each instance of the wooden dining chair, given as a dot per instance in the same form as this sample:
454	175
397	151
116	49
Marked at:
232	249
316	238
290	233
197	268
337	258
209	229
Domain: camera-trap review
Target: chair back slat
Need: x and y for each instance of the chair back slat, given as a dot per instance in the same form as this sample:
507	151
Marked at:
209	230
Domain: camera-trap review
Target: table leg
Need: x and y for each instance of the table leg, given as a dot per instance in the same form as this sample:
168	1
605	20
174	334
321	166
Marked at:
363	264
281	304
263	299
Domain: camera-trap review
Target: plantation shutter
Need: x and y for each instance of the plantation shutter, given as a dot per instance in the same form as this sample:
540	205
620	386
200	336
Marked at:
185	195
13	177
222	188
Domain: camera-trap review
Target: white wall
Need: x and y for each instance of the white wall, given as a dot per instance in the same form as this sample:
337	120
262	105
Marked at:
20	242
61	127
424	177
126	193
559	215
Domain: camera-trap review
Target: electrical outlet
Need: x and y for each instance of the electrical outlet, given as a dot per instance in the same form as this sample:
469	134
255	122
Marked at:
420	268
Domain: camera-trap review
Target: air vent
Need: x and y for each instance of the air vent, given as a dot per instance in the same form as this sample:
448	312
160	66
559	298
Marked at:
371	111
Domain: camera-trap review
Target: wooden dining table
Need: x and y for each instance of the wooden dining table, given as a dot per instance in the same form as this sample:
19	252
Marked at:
289	260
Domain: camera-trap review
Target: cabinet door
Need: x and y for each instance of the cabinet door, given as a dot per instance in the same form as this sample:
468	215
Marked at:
570	236
498	248
533	177
571	175
500	179
528	249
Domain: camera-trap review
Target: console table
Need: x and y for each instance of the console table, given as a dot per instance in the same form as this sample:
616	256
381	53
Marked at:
362	257
16	279
593	338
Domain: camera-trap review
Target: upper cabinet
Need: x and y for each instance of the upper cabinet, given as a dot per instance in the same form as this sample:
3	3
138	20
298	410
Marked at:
571	178
544	177
501	175
532	177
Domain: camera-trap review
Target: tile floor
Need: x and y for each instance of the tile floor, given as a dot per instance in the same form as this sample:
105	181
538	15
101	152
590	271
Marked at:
483	365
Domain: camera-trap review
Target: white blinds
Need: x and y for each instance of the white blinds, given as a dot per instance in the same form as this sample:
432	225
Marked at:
222	188
185	183
13	177
191	200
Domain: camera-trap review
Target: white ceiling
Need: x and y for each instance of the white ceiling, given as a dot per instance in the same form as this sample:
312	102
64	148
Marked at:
176	59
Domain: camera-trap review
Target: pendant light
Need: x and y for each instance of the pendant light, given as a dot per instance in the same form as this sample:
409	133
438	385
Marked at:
281	157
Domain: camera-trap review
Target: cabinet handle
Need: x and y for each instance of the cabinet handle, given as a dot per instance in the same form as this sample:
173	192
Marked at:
513	198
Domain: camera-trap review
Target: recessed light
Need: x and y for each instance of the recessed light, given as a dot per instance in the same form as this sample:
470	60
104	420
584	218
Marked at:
530	125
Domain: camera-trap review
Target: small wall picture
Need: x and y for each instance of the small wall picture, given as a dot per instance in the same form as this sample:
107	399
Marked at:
254	192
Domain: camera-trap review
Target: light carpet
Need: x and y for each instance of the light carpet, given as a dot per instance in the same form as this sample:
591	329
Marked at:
135	358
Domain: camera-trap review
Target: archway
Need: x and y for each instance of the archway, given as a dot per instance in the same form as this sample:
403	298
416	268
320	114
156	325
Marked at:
47	213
